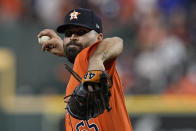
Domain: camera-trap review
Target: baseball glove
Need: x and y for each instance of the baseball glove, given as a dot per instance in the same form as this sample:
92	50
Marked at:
91	97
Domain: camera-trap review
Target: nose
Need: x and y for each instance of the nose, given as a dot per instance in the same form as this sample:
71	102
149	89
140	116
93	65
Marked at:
73	37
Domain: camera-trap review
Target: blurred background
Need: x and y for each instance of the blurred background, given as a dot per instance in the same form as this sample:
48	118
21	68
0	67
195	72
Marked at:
157	66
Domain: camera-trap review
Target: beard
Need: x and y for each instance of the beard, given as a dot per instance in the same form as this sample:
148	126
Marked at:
72	52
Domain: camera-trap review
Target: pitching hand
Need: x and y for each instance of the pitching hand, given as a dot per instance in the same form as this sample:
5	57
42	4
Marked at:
55	42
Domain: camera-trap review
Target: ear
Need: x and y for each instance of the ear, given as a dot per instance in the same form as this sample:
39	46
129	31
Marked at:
100	36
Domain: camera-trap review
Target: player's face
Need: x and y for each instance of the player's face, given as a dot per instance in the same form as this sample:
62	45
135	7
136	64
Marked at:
76	39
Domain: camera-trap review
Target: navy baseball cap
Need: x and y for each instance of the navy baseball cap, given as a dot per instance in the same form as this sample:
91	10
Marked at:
81	17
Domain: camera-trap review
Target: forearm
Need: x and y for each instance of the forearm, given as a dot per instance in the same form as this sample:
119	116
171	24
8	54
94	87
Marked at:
107	50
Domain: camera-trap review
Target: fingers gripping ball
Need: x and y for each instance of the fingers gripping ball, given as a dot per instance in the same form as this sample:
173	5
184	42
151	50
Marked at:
43	39
86	103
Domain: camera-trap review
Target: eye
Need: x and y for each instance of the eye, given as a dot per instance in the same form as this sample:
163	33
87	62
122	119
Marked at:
81	32
68	33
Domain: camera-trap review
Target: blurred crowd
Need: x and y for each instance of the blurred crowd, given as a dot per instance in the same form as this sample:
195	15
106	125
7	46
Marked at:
159	37
162	51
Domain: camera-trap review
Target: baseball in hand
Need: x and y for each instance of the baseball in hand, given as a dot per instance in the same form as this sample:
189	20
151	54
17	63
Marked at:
43	39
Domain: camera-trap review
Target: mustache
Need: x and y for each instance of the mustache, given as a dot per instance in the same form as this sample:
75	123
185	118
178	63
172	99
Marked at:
73	43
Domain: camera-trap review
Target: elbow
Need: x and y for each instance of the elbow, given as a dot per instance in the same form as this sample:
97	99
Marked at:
118	44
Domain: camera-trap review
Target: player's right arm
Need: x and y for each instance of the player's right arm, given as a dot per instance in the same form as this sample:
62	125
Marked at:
55	41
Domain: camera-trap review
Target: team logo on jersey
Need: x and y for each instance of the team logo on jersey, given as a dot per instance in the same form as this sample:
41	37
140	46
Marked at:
74	15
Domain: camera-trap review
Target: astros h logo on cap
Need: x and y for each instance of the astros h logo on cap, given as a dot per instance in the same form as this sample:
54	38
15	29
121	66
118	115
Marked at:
74	15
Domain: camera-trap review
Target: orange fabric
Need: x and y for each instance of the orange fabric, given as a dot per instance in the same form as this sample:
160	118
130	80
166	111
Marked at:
115	120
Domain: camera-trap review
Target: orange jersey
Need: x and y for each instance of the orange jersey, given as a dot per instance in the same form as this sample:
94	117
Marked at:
115	120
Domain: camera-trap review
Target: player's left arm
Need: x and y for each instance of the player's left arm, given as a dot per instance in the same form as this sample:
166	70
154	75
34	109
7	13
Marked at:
107	50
